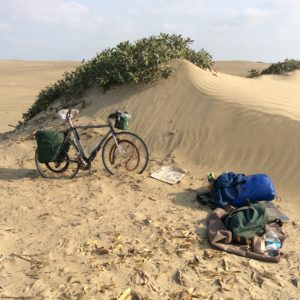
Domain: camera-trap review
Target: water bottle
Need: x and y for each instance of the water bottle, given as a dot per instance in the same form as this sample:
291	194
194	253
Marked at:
272	242
210	179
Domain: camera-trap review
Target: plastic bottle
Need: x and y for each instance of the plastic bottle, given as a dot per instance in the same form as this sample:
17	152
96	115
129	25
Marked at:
210	180
210	177
272	241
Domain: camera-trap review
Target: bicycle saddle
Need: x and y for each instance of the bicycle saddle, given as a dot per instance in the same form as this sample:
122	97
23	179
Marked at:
62	114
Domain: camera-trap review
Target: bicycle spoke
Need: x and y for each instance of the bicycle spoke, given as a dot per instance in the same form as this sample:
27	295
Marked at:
131	154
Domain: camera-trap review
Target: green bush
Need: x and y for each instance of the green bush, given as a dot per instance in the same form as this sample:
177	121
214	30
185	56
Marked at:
253	73
144	60
288	65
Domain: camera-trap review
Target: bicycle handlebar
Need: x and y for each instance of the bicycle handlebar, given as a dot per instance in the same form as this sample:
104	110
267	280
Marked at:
117	114
67	114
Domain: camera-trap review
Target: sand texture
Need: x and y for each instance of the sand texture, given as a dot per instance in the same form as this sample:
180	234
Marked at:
132	237
21	81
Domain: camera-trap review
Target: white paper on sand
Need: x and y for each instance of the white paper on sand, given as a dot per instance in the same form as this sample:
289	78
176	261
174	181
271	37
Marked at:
169	174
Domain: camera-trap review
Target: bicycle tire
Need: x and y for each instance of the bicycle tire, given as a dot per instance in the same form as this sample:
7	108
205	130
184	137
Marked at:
114	148
60	169
135	158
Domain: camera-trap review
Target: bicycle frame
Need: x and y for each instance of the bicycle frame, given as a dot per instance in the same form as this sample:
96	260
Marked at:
91	157
122	151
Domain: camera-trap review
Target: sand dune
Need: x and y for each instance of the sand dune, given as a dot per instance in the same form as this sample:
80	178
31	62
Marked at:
217	123
95	236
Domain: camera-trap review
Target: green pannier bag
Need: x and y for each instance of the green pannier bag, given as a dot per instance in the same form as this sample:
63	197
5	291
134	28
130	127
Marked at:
49	145
122	122
65	147
246	222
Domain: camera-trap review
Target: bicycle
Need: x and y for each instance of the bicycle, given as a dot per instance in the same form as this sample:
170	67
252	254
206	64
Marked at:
122	151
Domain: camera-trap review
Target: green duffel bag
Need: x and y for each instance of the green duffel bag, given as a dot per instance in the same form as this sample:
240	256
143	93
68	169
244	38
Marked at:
246	222
49	144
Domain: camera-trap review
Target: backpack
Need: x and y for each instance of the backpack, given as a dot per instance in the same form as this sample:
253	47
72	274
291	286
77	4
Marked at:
246	222
49	145
238	189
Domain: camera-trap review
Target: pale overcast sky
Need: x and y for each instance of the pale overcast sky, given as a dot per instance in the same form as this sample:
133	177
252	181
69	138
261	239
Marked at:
258	30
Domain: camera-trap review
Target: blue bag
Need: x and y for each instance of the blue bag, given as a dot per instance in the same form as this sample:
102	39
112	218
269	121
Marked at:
239	189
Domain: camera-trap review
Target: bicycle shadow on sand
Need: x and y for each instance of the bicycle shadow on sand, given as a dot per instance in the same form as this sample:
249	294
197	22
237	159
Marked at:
7	174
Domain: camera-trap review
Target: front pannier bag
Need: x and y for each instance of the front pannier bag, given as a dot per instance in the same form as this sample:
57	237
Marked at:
49	144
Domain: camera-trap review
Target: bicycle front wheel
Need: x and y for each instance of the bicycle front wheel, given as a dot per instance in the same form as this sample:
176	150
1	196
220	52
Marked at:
128	155
67	167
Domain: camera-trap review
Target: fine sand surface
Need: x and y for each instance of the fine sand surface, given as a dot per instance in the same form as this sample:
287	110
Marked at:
95	236
21	81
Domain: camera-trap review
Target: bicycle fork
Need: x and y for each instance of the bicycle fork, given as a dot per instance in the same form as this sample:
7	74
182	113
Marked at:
119	147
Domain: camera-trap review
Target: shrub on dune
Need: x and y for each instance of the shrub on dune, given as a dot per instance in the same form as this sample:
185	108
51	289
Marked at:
288	65
144	60
253	73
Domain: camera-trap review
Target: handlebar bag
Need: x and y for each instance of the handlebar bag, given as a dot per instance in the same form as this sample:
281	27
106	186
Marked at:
49	145
122	122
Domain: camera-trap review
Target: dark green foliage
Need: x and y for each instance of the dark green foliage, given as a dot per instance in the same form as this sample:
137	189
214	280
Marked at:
288	65
253	73
145	60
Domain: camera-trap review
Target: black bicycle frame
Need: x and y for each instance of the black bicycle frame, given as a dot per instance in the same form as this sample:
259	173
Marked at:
94	152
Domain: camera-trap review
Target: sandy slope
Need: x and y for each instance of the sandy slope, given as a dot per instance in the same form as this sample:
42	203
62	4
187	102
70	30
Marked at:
21	81
94	236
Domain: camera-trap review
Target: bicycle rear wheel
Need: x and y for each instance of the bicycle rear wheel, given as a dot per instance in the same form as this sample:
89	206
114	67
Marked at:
129	156
66	168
